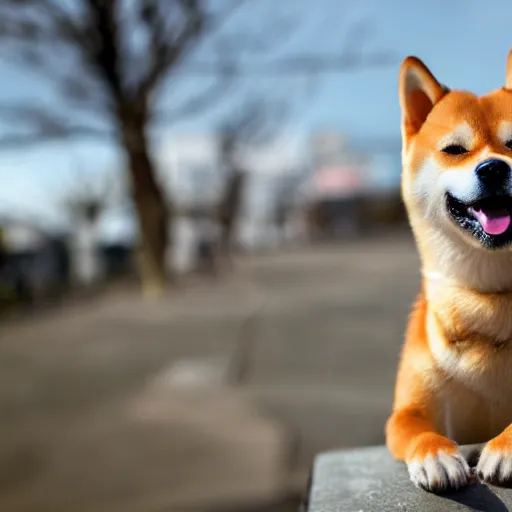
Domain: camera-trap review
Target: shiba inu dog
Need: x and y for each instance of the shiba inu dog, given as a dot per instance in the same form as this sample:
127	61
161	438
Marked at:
454	382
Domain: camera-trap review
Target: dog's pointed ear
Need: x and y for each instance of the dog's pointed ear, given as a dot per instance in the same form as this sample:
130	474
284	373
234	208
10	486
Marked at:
419	91
508	73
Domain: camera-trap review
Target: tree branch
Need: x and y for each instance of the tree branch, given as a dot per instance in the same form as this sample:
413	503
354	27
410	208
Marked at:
23	140
61	27
35	34
95	32
165	51
295	65
105	53
167	54
195	105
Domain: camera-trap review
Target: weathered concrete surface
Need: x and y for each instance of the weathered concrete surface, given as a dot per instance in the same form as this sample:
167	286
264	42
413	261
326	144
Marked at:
85	421
369	480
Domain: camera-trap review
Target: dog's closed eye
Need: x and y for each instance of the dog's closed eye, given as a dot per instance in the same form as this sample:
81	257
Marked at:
455	149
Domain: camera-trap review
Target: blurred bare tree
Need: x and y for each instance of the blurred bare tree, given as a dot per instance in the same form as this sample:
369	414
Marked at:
108	61
88	198
108	58
84	202
285	202
254	123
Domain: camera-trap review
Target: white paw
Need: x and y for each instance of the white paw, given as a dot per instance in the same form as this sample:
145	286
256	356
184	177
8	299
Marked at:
494	466
440	473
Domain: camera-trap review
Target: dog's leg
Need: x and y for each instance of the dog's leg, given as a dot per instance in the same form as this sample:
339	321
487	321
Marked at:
495	462
433	461
412	433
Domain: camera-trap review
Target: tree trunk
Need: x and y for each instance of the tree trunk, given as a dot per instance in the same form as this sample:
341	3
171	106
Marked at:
152	211
230	210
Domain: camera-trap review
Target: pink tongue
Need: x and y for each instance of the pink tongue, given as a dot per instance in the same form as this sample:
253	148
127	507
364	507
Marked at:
493	222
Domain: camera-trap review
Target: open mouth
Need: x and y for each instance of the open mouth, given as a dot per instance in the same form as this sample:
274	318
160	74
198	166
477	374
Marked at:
489	219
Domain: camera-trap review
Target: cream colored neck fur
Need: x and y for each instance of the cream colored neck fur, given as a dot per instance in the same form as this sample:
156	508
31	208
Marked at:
473	284
449	259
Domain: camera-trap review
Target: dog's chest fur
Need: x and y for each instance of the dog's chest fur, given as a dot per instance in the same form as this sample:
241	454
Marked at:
470	337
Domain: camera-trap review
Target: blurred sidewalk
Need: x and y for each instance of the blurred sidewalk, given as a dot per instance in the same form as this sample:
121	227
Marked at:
216	397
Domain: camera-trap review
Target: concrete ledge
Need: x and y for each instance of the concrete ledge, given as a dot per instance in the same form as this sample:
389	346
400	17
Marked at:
368	479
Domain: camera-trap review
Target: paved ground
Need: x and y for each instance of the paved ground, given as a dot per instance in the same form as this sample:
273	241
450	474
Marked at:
192	403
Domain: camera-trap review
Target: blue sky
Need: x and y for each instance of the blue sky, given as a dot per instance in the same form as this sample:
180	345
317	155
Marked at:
464	42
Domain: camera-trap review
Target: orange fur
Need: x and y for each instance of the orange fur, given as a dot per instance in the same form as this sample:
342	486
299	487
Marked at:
455	373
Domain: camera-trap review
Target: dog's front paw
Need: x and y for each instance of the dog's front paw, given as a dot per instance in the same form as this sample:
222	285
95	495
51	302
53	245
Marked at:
435	464
495	462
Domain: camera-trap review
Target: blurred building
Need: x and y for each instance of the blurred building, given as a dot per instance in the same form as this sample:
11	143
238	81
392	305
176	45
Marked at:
337	184
191	172
189	169
354	186
326	175
20	236
33	261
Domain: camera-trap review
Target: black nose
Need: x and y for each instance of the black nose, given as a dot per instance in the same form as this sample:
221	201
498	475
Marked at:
493	171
